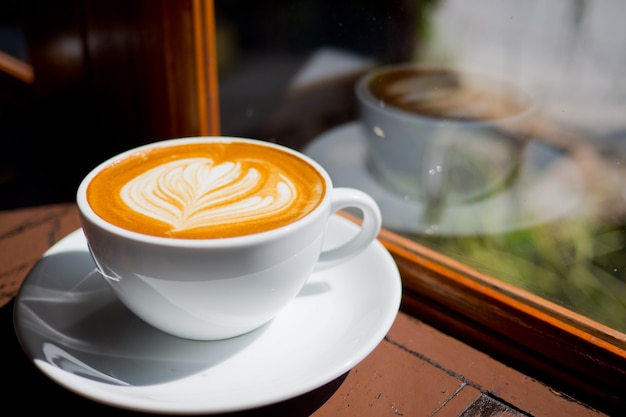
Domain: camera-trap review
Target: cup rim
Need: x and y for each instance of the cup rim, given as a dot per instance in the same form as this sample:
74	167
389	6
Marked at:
236	241
366	98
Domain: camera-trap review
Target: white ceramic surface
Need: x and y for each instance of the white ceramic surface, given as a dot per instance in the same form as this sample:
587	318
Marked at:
77	333
548	186
209	289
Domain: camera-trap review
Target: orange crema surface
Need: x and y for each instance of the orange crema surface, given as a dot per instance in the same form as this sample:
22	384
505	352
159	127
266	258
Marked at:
206	190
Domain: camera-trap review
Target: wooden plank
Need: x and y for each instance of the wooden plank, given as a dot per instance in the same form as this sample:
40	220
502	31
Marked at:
564	349
569	352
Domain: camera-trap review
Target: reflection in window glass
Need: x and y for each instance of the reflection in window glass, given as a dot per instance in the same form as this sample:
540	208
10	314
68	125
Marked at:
570	55
557	226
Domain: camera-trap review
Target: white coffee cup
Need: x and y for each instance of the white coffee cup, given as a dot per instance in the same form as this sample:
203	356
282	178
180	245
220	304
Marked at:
214	287
442	135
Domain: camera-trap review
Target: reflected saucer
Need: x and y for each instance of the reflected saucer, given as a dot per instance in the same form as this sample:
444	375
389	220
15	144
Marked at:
548	186
74	329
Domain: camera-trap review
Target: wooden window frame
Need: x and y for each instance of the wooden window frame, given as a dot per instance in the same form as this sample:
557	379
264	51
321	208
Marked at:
145	66
563	349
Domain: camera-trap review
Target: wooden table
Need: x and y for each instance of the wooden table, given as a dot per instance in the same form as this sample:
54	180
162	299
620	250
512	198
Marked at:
416	370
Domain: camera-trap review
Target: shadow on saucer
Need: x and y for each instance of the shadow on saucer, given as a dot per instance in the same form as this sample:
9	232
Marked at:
69	318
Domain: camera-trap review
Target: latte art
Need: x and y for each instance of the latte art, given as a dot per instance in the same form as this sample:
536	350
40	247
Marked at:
191	193
206	190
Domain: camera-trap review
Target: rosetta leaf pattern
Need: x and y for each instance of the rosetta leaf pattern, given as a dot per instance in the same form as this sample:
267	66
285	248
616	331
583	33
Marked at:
195	192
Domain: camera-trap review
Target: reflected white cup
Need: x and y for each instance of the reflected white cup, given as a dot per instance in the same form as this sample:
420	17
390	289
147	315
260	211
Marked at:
270	204
442	135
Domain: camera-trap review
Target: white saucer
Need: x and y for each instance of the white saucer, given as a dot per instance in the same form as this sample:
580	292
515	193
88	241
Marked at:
549	186
77	333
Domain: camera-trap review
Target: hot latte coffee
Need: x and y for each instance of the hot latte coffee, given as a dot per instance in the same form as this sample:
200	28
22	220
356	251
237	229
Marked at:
206	190
210	237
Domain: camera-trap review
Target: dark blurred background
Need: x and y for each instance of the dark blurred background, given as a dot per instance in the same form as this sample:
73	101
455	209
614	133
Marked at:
96	68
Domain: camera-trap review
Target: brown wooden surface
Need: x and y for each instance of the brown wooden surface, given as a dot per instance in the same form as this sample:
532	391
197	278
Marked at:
417	370
570	351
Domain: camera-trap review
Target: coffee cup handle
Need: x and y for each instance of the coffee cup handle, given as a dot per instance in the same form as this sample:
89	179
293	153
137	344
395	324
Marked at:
344	197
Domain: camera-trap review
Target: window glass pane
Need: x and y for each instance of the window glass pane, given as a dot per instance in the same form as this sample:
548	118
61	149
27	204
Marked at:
567	244
554	222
